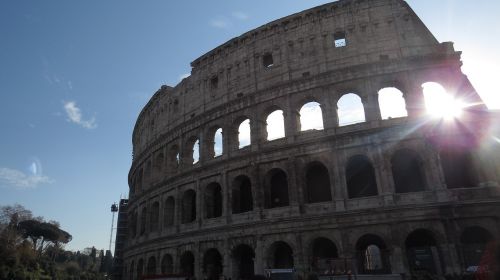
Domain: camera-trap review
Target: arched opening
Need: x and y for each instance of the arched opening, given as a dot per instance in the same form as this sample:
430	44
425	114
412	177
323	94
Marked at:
242	195
311	117
151	269
154	217
188	206
392	103
169	211
147	172
360	177
243	262
139	181
167	264
324	252
196	152
422	251
158	164
173	158
458	168
187	264
244	134
275	125
317	183
350	110
144	217
372	255
140	268
213	201
276	189
474	244
212	264
218	145
191	152
133	225
280	255
407	172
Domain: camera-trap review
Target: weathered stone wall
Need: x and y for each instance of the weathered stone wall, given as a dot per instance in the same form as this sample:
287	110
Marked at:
386	46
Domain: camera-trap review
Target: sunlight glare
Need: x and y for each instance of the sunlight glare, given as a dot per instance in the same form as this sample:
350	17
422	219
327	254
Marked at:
441	104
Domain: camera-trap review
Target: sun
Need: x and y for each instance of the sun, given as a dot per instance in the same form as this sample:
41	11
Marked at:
441	104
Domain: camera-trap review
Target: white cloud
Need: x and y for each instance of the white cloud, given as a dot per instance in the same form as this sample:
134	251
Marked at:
74	115
240	15
15	178
219	23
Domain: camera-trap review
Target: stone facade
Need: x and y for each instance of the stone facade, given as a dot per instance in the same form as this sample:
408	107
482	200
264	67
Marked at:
393	196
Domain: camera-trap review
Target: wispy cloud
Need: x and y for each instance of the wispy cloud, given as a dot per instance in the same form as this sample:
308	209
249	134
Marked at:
240	15
74	115
18	179
220	23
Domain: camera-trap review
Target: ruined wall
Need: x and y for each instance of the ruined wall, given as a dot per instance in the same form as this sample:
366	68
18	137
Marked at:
178	206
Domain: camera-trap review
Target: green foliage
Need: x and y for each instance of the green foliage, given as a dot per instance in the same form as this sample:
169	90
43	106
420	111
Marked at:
31	248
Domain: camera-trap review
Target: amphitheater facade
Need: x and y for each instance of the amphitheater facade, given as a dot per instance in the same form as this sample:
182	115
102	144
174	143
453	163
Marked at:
217	191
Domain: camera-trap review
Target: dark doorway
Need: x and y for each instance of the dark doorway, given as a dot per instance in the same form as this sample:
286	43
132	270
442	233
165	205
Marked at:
276	189
212	264
459	171
407	172
281	255
422	251
213	201
187	264
360	177
318	183
474	244
188	206
372	254
242	195
243	262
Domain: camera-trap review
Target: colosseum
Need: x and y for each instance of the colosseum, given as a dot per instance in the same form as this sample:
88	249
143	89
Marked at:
280	155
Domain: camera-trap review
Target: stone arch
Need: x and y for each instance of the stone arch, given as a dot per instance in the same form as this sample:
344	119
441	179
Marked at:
215	144
407	171
154	217
133	224
474	241
280	255
139	180
158	164
212	264
317	181
276	188
372	255
188	206
167	264
173	158
243	262
350	110
323	253
213	200
275	124
242	198
392	103
187	264
422	251
144	218
243	132
148	172
151	267
458	167
360	177
169	211
192	151
311	117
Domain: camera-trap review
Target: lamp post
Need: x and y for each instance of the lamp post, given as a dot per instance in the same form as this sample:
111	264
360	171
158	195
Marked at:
114	209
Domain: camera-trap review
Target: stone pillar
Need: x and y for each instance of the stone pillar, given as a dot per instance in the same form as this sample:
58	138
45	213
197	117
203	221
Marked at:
383	173
291	117
372	109
260	258
414	98
258	133
199	204
293	192
329	111
339	182
226	260
198	261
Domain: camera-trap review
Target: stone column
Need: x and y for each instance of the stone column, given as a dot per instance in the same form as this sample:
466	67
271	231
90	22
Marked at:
291	117
414	98
372	109
339	182
260	258
383	173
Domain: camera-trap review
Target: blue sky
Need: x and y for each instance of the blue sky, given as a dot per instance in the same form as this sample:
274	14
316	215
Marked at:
75	74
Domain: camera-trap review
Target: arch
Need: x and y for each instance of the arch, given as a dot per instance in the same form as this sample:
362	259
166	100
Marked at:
243	262
276	188
154	217
187	264
323	254
474	241
192	151
350	110
151	268
458	168
392	103
213	200
372	255
407	171
167	264
140	268
173	158
311	117
169	211
147	171
360	177
280	255
244	134
422	251
158	164
133	224
144	217
275	125
242	195
139	181
212	264
188	206
317	183
218	145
